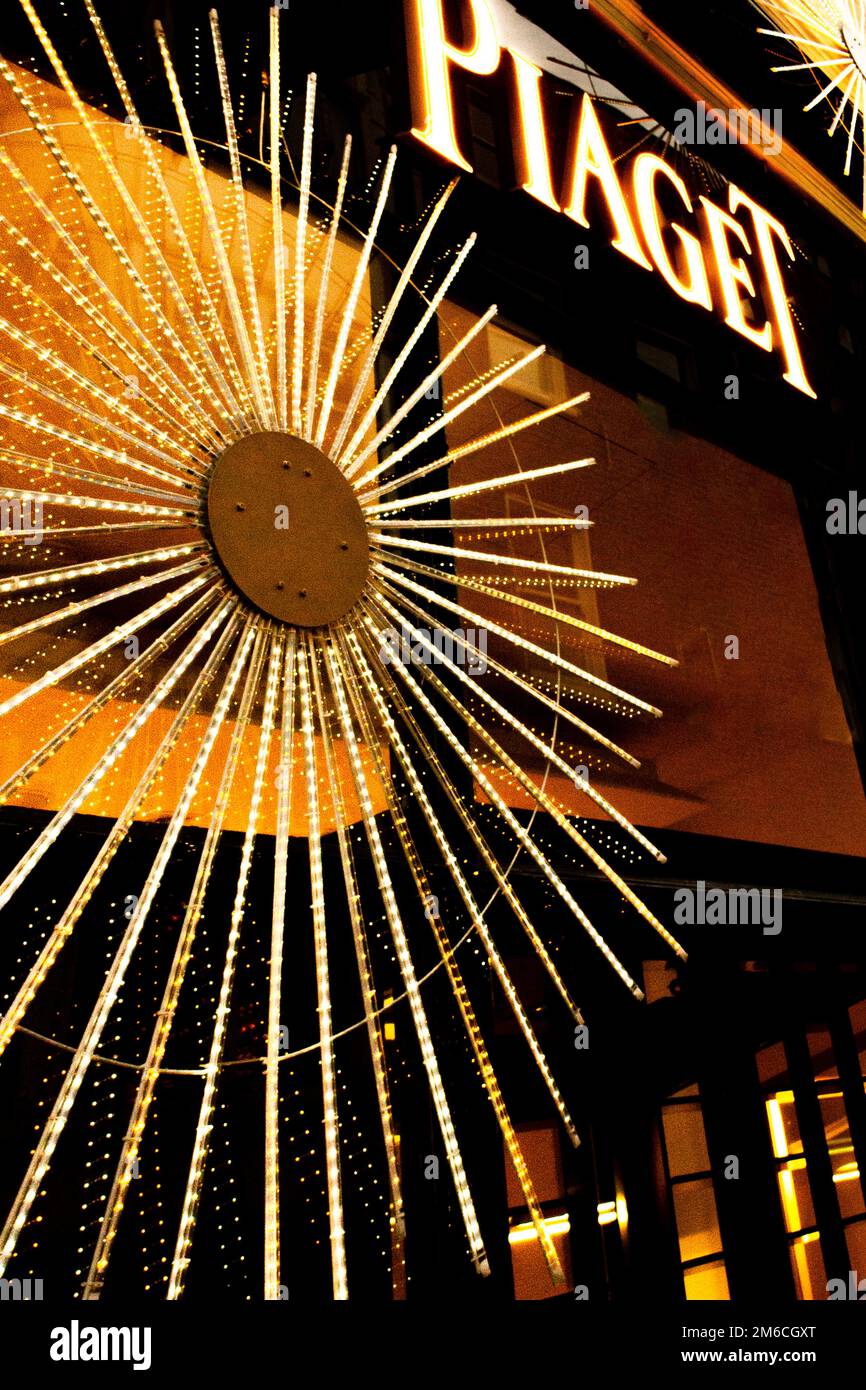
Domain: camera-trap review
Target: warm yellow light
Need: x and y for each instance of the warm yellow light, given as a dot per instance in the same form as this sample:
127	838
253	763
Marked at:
607	1213
845	1175
525	1231
777	1127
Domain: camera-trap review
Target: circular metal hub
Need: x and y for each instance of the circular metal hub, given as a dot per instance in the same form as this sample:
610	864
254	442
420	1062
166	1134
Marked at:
288	528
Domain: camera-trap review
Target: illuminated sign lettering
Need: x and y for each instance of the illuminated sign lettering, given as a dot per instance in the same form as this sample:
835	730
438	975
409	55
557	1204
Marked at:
706	266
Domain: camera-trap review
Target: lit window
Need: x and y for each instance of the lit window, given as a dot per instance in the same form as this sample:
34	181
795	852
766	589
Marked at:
693	1197
795	1192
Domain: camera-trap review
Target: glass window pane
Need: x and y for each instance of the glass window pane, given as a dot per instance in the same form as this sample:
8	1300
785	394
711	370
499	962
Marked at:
772	1065
857	1015
807	1263
796	1195
543	1159
784	1127
709	1281
849	1190
685	1139
531	1276
821	1051
697	1220
846	1175
856	1237
834	1115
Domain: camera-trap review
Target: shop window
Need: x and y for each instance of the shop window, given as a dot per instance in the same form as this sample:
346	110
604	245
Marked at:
794	1184
693	1198
807	1262
795	1193
847	1176
837	1134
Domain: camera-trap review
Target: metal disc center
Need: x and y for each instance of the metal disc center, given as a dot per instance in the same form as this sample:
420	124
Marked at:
288	528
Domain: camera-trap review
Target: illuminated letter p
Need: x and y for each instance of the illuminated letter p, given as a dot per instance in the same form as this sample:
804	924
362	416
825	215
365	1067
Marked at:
434	55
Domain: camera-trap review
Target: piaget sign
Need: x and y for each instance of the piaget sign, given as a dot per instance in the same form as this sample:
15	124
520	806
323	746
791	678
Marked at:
724	260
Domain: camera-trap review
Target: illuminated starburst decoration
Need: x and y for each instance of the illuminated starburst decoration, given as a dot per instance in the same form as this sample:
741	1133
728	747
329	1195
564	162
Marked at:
201	377
830	36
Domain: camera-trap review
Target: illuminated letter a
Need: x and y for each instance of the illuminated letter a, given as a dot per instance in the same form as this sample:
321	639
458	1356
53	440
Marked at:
590	155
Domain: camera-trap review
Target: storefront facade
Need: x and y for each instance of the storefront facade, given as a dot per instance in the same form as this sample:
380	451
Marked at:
708	292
